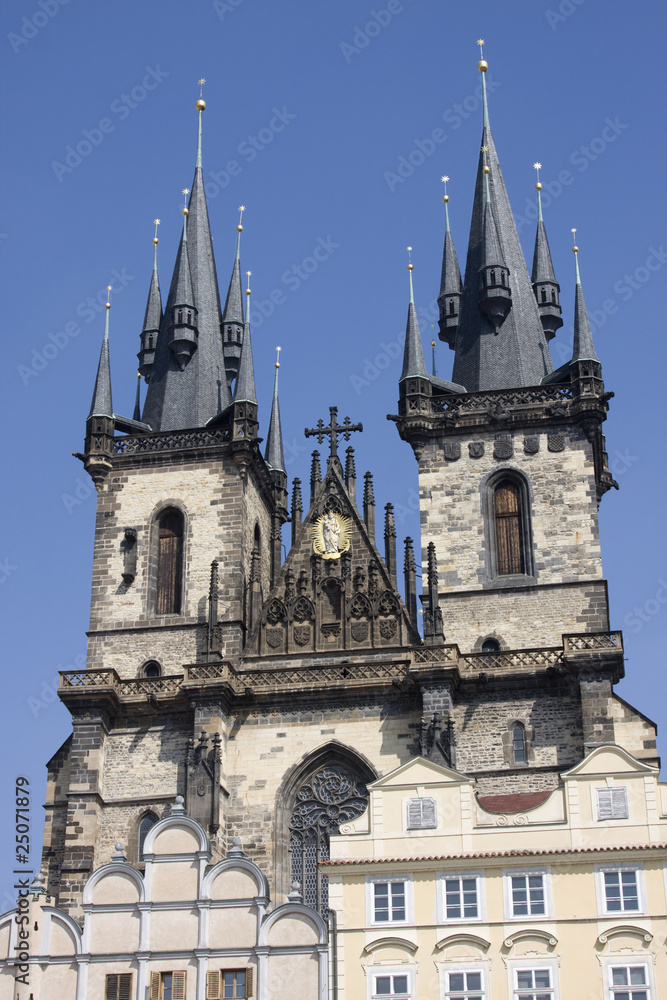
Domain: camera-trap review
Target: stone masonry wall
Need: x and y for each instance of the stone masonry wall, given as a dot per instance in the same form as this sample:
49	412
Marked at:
563	508
221	512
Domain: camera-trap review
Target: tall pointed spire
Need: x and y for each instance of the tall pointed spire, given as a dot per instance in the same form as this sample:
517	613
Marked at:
232	315
583	349
449	299
545	286
152	317
244	390
413	353
274	439
496	351
101	405
137	399
190	394
183	333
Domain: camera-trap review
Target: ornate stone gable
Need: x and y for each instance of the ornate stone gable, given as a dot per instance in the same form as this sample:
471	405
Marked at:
334	591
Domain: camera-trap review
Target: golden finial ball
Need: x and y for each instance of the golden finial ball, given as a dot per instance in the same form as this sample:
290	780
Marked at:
201	105
445	198
482	65
538	186
239	228
184	211
411	267
107	305
575	249
247	291
487	170
155	241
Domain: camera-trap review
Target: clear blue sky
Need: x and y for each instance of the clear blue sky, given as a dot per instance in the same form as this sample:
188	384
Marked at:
312	109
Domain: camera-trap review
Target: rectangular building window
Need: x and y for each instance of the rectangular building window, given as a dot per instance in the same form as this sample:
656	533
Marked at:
167	986
461	898
621	891
235	984
528	895
389	901
612	803
118	986
464	986
629	982
391	986
421	814
533	984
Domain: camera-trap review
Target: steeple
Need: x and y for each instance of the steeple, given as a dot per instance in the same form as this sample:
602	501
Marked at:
101	405
414	365
545	286
232	316
500	342
181	311
583	349
274	439
244	390
137	399
152	317
190	393
449	299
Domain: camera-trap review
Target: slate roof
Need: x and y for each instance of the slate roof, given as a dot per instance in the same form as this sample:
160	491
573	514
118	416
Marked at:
450	277
518	354
153	314
244	390
273	454
101	405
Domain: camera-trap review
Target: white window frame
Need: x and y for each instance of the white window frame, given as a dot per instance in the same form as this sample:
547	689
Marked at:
601	870
371	881
534	963
511	873
421	799
609	789
442	916
625	961
462	966
373	971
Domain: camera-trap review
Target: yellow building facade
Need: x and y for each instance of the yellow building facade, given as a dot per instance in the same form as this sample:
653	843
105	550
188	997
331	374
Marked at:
444	893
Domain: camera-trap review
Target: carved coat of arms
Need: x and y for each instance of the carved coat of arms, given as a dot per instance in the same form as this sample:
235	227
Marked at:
331	535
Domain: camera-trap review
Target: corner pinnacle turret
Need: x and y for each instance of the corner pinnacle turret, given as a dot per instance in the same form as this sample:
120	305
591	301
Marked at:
232	315
273	454
152	317
449	299
545	286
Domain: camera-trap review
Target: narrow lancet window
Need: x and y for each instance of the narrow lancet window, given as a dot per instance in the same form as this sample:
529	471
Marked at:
169	563
507	510
519	743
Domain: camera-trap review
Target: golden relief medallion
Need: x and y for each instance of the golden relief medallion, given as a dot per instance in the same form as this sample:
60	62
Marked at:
331	535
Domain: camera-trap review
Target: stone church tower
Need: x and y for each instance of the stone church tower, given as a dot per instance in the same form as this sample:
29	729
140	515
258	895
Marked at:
270	694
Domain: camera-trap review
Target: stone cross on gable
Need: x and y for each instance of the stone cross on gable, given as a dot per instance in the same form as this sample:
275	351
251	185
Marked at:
333	430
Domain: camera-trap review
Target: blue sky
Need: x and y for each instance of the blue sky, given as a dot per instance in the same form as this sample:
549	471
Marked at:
320	119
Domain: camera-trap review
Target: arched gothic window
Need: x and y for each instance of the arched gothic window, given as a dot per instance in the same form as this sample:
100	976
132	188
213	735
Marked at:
509	528
331	796
152	669
490	646
169	563
519	743
147	823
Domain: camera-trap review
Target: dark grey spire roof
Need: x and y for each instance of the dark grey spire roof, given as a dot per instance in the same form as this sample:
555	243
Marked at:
543	269
153	314
518	354
189	398
450	279
101	402
233	311
583	349
244	390
182	281
274	439
413	352
491	249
